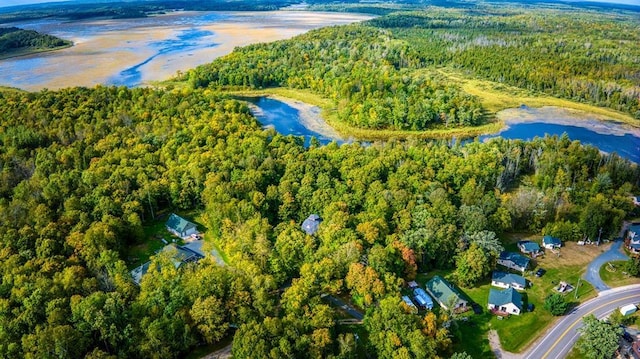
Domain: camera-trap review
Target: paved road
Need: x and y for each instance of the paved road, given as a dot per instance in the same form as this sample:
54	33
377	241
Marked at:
346	307
559	340
592	275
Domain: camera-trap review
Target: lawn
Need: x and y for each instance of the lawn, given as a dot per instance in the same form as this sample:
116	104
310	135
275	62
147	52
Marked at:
613	275
517	332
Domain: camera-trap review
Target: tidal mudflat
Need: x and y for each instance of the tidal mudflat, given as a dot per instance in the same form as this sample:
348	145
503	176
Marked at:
133	52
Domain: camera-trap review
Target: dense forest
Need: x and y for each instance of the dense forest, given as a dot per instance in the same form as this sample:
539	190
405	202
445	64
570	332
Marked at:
83	171
18	41
383	74
364	70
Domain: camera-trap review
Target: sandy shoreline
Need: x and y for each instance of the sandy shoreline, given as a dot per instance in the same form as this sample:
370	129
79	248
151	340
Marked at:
311	118
105	48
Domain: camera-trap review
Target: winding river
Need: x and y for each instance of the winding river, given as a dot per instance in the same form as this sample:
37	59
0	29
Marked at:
523	123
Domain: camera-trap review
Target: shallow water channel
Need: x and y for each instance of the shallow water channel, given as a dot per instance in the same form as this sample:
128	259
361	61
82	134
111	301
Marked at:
521	123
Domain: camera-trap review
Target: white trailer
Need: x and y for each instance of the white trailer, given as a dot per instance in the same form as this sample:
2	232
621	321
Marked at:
628	309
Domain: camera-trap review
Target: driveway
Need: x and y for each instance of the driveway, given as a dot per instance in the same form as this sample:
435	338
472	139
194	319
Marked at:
346	307
592	275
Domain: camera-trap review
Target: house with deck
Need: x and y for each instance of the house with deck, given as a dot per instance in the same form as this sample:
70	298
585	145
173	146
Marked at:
508	280
180	226
632	240
446	294
503	302
514	261
550	242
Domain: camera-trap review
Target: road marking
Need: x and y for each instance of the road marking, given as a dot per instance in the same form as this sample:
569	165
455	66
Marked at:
577	321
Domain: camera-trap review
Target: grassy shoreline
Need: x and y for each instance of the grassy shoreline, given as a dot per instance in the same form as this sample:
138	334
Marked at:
329	115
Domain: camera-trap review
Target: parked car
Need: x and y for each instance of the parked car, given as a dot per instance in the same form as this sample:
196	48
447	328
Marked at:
476	308
540	272
626	336
530	307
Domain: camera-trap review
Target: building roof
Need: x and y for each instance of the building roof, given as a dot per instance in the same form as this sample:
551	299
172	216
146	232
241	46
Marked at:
551	240
509	278
529	246
179	255
423	298
635	228
310	225
442	290
518	259
178	223
502	297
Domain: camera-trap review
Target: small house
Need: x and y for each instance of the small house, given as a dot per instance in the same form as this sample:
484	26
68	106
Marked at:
528	247
180	255
508	280
551	242
180	226
412	307
422	298
507	301
311	224
633	238
514	261
445	294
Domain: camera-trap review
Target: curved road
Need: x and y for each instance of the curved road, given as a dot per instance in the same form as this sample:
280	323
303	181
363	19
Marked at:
559	340
592	275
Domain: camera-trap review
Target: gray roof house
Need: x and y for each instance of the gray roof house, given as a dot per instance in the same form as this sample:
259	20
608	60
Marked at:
633	238
422	298
551	242
311	224
508	280
180	256
507	301
180	226
445	294
514	261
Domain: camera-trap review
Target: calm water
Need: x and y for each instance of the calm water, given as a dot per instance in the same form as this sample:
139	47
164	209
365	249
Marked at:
606	136
285	120
627	145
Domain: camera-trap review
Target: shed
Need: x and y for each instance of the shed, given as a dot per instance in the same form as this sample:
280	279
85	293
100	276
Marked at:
180	226
311	224
507	301
551	242
628	309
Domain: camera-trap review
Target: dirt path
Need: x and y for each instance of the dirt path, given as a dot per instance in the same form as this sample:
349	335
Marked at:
494	342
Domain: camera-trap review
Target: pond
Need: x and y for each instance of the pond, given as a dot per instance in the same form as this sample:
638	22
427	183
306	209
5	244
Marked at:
299	119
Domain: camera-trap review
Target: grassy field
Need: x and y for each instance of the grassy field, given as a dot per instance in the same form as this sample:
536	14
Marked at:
496	96
613	275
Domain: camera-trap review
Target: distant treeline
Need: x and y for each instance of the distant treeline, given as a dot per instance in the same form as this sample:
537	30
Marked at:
13	40
577	55
134	9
